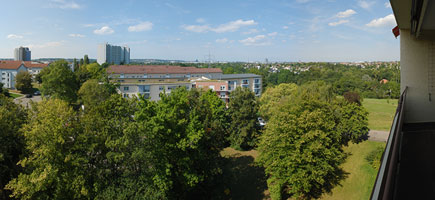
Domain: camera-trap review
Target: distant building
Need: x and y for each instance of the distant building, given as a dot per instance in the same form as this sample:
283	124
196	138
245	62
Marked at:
9	69
22	54
113	54
151	80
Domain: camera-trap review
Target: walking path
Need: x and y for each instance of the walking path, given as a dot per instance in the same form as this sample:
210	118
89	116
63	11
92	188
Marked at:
380	136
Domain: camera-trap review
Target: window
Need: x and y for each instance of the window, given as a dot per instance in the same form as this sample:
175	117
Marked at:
146	95
245	86
211	87
121	76
257	91
168	76
145	76
125	88
223	95
256	85
245	82
257	80
223	87
161	87
125	95
121	81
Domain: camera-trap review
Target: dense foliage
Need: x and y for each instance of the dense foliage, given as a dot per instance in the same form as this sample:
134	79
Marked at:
301	147
12	117
122	148
244	125
23	81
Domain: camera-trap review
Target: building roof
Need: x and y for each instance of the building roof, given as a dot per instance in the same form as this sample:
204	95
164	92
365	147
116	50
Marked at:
236	76
12	64
159	69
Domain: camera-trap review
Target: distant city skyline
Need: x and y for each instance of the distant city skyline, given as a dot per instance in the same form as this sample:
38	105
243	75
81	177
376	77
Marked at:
239	30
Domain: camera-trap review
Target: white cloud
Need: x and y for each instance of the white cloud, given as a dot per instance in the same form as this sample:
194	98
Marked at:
285	27
233	26
345	14
343	21
388	20
45	45
223	40
366	4
105	30
250	31
387	4
200	20
259	40
13	36
272	34
228	27
196	28
144	26
63	4
76	35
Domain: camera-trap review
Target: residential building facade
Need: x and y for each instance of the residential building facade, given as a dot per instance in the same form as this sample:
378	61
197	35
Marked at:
9	70
151	80
22	54
113	54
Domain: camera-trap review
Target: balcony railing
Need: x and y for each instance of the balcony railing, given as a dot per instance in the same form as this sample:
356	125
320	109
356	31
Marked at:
385	184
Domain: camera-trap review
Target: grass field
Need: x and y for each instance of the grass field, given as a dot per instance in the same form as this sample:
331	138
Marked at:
381	113
243	180
13	95
361	177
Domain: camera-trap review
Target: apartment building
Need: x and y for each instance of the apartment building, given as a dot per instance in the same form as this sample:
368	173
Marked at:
22	54
113	54
9	70
151	80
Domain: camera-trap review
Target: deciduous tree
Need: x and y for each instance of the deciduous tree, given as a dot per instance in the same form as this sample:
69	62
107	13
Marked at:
23	81
244	125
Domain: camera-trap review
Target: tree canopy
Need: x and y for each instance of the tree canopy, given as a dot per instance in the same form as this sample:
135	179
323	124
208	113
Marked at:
60	82
23	81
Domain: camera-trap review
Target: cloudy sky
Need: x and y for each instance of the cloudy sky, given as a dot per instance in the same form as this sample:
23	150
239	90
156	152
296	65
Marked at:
231	30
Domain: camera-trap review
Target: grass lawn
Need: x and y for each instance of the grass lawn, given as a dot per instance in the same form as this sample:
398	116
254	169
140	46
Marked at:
361	177
381	113
241	179
13	95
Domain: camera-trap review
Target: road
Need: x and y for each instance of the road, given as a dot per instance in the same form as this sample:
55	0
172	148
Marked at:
381	136
26	101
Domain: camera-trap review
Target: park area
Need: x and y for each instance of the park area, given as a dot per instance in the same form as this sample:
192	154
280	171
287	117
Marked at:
243	179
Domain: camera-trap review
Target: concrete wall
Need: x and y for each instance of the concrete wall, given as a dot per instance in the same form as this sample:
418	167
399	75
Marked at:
416	72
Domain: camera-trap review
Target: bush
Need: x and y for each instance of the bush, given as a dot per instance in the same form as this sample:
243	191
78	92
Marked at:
374	157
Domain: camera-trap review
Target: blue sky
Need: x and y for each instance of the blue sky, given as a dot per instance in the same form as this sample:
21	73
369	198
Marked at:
231	30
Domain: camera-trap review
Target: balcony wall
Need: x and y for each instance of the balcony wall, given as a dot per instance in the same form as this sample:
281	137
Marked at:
417	70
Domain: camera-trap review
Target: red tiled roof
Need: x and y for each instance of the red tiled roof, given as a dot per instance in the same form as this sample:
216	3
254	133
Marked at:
12	64
159	69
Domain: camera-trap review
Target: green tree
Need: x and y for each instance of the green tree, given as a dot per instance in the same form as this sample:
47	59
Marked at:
4	91
81	62
92	93
12	117
86	60
244	125
55	168
75	64
60	82
23	81
301	148
273	96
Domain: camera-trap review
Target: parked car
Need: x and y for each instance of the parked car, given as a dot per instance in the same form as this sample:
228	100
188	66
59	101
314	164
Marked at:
37	93
261	122
28	95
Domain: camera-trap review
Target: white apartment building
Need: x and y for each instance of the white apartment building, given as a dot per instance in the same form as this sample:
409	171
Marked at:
151	80
9	69
113	54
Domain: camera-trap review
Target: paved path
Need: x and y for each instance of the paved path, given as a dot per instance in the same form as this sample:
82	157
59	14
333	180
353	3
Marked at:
26	101
381	136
